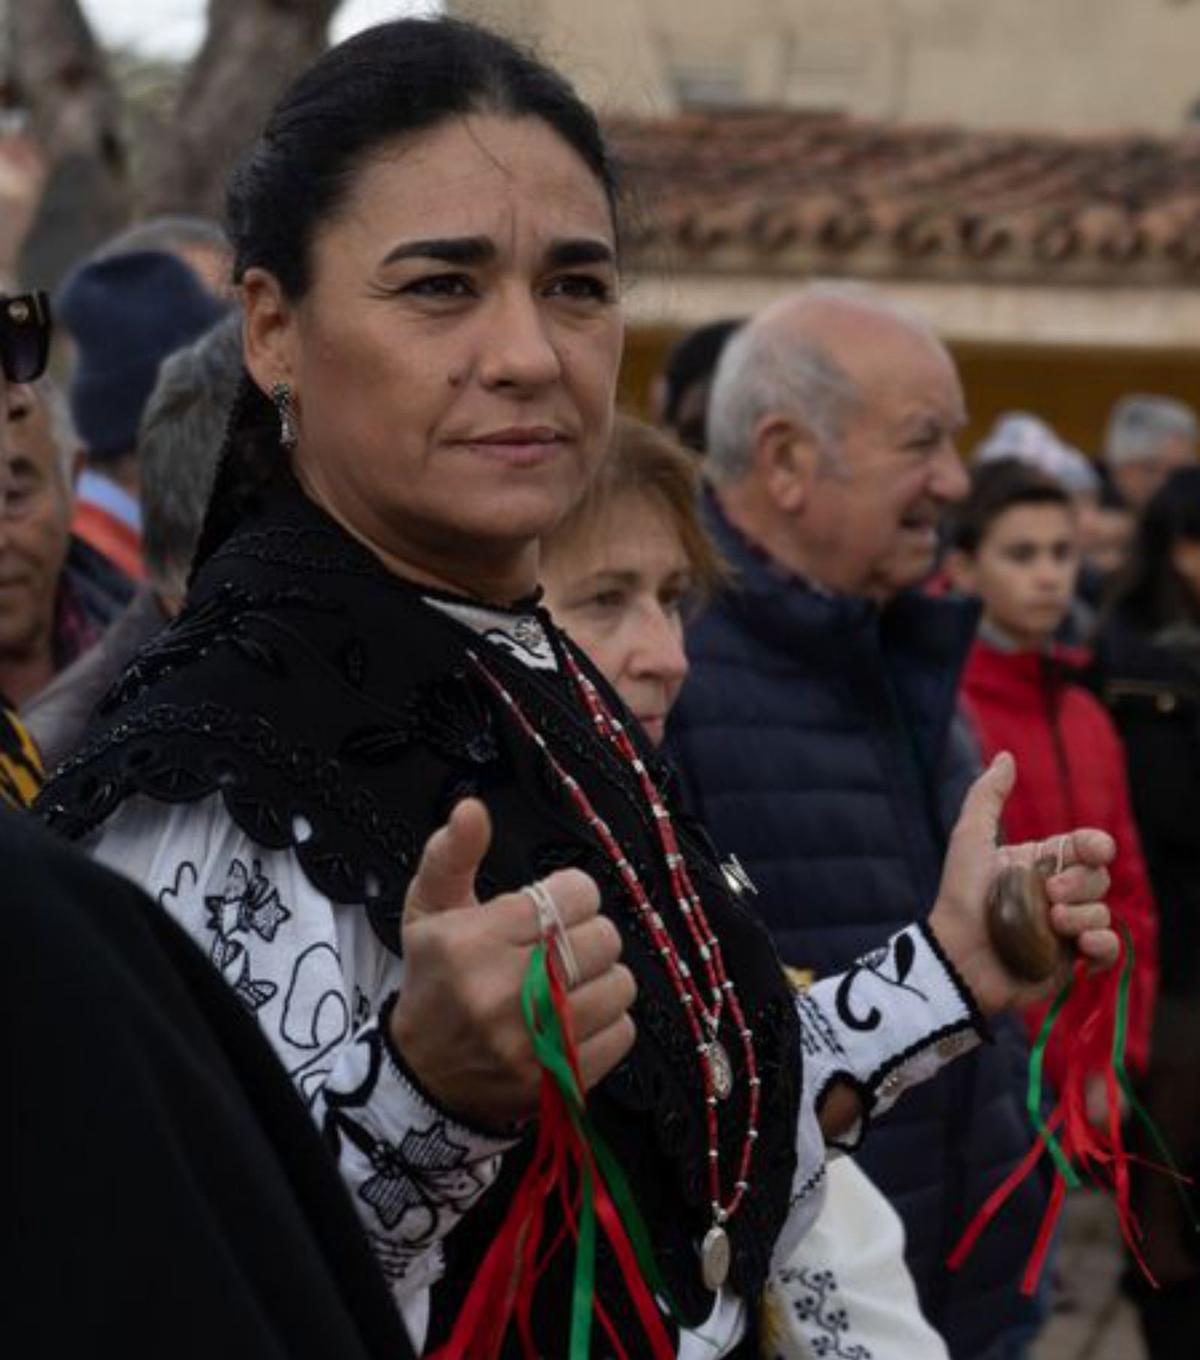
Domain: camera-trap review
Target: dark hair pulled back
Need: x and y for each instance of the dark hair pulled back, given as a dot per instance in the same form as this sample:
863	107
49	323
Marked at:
1150	594
393	80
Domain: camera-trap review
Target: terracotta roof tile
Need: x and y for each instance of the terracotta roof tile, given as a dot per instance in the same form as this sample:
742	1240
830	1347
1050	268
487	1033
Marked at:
781	190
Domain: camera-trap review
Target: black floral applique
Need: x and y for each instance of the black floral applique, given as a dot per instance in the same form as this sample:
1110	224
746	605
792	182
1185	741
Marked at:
191	634
248	904
456	718
417	1180
816	1301
452	716
225	618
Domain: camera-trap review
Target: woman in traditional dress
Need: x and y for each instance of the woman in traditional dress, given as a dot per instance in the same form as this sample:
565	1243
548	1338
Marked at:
427	250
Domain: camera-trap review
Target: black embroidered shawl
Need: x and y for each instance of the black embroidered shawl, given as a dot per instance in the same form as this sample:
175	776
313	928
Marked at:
337	714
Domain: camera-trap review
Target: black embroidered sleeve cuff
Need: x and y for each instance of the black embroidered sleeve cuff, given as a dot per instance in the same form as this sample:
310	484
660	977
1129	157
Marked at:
891	1021
413	1169
489	1140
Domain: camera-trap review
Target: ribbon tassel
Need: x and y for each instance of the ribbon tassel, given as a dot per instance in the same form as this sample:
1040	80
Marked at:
1091	1016
570	1164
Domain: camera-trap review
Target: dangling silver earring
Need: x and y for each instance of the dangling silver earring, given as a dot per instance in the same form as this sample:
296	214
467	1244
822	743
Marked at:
281	395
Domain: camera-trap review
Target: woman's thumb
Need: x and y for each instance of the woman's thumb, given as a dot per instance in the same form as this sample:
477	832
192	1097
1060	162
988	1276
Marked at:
984	804
445	877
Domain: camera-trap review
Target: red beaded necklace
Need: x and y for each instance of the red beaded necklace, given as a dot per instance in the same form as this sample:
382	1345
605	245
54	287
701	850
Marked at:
703	1021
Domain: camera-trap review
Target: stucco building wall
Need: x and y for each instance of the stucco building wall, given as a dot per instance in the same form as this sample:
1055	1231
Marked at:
1066	65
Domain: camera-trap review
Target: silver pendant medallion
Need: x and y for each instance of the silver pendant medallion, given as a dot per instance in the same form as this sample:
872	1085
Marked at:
720	1069
714	1258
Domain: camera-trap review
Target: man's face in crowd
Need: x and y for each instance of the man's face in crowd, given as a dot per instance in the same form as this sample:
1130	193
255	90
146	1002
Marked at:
1105	536
870	522
35	528
1138	479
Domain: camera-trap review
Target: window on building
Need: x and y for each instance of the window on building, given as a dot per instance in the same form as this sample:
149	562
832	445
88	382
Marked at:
707	86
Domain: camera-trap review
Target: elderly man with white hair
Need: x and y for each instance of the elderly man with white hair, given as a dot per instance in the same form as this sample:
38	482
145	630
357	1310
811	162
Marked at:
818	730
1148	438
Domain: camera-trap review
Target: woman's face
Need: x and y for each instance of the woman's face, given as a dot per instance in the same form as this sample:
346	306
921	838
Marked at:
619	592
454	362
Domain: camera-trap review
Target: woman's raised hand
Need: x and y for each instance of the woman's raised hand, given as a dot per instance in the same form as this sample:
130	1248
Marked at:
1078	914
458	1020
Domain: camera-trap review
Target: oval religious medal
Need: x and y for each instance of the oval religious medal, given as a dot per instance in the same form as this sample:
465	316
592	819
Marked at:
714	1257
720	1069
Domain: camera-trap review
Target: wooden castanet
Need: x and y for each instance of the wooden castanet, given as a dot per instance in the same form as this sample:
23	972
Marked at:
1018	918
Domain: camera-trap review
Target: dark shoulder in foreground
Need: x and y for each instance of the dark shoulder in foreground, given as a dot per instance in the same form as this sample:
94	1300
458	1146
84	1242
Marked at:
169	1191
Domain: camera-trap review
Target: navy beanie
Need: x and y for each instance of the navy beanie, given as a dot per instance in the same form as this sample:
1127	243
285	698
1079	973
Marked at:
126	314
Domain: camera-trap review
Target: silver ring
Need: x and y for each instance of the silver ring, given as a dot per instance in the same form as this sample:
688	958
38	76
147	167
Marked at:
1052	855
550	926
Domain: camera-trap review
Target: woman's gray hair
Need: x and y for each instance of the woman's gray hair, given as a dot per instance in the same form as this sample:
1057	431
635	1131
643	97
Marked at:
180	437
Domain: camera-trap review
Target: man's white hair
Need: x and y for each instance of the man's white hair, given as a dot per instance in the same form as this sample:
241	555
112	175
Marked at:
768	369
62	427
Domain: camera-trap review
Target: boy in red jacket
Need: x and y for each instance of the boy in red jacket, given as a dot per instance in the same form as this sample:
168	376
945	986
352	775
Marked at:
1015	545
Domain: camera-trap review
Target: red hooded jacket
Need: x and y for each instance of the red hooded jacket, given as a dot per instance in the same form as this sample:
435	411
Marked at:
1070	773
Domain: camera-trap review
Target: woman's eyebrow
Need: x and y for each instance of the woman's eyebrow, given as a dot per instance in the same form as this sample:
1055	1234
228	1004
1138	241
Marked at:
564	254
477	250
616	576
470	250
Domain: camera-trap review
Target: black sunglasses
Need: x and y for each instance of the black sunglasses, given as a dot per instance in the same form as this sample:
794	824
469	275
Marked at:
24	336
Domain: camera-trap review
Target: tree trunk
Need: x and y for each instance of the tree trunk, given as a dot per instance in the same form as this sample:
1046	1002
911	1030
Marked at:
251	50
62	77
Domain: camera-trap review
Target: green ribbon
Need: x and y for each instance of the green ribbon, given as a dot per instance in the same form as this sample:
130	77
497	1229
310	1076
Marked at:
1033	1094
550	1048
1120	1030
